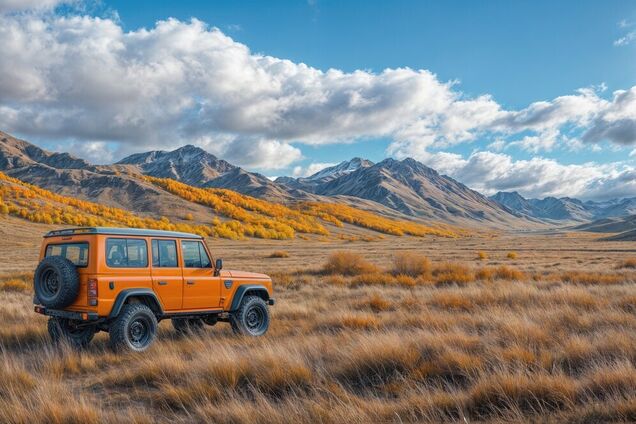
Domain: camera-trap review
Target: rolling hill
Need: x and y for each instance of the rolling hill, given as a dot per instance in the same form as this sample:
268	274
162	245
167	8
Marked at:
220	213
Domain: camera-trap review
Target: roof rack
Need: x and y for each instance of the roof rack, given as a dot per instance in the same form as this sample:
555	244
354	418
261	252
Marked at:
121	232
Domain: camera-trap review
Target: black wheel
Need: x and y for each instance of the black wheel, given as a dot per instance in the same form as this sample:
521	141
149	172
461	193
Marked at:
56	282
134	328
71	332
187	325
252	318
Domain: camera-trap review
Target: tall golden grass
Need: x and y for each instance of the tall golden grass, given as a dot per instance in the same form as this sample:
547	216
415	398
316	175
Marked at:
376	345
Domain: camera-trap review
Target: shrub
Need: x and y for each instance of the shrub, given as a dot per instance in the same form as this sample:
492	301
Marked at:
481	255
15	286
628	263
360	322
188	217
279	254
405	280
452	301
486	273
378	303
511	255
507	273
453	273
411	264
336	280
590	278
348	263
373	279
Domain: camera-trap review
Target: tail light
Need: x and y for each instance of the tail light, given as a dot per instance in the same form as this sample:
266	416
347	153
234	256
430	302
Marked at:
92	292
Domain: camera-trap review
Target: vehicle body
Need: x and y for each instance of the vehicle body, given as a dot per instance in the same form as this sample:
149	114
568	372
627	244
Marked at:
170	274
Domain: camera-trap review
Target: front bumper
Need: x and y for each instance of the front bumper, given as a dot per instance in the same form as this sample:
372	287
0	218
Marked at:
77	316
271	301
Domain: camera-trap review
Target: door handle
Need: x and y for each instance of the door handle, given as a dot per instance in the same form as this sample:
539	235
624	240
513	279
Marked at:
189	282
163	283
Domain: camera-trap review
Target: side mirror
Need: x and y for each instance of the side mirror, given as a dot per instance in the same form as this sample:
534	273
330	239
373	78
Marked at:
218	266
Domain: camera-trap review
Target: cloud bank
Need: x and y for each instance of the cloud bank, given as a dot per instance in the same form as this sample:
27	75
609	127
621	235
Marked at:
85	79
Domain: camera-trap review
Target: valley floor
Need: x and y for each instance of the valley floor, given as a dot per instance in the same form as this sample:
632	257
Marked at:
552	338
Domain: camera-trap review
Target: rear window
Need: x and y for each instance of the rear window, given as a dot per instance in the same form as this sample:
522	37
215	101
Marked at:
126	253
74	252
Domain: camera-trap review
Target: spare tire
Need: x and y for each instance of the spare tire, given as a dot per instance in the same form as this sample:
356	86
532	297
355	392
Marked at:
56	282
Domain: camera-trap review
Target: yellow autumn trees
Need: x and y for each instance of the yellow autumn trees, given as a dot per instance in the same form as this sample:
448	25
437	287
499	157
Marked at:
337	213
38	205
237	216
259	218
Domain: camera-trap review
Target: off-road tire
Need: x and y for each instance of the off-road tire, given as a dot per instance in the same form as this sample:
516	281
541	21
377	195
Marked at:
134	329
187	325
63	330
56	282
252	317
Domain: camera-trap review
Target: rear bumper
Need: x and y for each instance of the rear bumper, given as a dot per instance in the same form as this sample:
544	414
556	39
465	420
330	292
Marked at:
271	301
78	316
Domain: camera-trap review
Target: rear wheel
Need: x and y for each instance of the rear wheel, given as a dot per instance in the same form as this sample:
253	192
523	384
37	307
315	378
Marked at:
71	332
187	325
252	317
134	328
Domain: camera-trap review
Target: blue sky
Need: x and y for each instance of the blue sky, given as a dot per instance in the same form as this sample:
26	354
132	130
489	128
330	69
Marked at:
493	93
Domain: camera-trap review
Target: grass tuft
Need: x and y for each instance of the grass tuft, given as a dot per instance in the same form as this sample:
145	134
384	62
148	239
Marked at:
348	263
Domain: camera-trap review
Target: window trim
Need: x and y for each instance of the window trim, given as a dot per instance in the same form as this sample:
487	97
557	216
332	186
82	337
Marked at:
87	244
176	252
127	265
200	246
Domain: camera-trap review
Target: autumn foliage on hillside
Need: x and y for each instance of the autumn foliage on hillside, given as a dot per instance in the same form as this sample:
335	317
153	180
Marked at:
42	206
249	216
236	216
259	218
338	213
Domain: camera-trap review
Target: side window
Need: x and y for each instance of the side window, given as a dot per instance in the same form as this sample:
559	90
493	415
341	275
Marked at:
194	255
126	253
164	254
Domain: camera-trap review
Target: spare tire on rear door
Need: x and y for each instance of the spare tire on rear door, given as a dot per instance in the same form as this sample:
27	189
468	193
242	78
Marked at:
56	282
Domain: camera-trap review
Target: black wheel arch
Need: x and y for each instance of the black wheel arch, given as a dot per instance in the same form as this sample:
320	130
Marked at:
142	295
248	290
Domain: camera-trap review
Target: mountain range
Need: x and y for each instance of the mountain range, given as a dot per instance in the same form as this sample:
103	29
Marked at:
566	208
399	188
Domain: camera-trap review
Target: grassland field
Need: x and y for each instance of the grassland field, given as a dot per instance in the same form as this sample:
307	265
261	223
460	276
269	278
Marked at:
495	327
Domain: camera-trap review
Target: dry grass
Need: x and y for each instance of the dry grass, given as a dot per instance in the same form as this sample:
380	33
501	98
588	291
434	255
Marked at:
512	255
411	264
482	256
629	263
278	254
540	341
348	263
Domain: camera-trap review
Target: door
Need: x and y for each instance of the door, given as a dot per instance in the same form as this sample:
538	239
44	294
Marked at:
201	289
167	280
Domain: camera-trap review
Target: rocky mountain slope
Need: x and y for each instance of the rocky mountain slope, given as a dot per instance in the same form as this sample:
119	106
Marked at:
410	187
565	208
391	187
194	166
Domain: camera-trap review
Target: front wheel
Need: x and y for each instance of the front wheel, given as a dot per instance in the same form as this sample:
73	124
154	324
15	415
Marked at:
134	328
252	317
69	331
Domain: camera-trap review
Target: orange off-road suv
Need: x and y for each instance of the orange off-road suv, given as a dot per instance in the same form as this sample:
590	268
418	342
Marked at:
124	281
